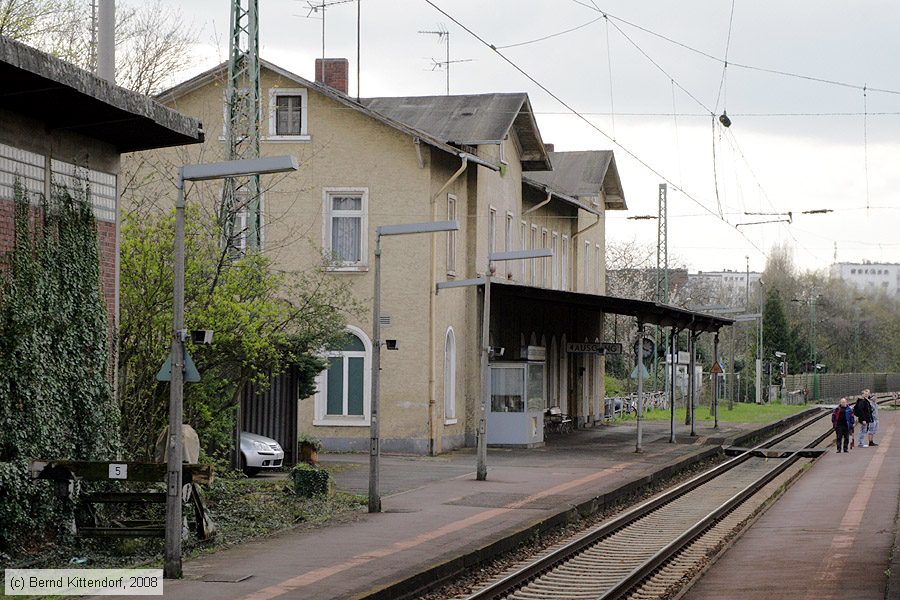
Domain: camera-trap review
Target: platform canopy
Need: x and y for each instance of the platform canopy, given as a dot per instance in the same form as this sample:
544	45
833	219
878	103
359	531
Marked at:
649	313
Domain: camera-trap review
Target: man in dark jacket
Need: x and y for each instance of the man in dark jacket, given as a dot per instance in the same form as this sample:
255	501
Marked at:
862	410
842	420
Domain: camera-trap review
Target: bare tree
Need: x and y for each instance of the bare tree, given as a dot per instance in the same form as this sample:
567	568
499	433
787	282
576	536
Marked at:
153	41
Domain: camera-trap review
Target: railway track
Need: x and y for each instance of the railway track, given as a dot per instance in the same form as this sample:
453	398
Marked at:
651	550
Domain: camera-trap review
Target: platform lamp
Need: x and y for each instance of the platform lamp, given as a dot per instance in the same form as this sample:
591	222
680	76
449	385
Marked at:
198	172
374	429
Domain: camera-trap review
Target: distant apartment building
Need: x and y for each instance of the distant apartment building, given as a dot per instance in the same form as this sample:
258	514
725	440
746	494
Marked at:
869	277
728	287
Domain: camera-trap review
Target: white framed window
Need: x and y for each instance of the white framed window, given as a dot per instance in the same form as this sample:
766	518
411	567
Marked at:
554	247
450	378
534	245
543	261
492	230
451	235
343	389
241	229
345	227
523	241
564	263
508	244
587	265
288	114
242	224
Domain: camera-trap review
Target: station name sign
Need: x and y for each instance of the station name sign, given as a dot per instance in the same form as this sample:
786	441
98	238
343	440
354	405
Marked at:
594	348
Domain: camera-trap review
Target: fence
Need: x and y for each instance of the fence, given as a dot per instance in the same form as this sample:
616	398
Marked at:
617	406
833	386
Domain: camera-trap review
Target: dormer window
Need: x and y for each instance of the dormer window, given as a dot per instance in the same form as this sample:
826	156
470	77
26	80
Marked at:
288	114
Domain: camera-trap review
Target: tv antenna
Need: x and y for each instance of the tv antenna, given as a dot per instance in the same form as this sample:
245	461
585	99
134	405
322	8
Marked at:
315	8
444	36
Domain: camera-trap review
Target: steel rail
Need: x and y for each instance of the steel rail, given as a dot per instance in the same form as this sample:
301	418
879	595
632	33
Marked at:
672	548
543	564
645	570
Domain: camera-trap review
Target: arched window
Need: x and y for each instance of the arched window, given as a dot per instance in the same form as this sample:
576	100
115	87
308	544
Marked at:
344	387
450	378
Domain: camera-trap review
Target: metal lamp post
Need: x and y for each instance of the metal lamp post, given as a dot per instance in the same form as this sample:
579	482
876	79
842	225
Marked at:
481	467
374	430
198	172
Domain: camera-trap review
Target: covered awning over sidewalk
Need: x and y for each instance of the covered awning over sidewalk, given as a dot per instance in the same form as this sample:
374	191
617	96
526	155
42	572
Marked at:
648	313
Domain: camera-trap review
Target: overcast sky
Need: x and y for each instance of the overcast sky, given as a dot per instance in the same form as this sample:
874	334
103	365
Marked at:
795	144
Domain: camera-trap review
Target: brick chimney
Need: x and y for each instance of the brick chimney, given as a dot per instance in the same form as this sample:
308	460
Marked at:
333	73
548	147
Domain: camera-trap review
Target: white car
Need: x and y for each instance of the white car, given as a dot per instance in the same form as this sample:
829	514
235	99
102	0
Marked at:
260	452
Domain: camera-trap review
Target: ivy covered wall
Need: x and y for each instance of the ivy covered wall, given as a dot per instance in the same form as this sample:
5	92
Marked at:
55	399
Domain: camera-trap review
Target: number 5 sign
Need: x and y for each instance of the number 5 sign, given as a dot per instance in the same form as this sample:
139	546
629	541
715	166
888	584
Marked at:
117	471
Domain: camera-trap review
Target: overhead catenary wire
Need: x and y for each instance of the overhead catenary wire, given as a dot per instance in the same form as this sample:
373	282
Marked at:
550	36
556	97
866	144
735	64
714	169
711	112
662	70
675	124
722	83
612	106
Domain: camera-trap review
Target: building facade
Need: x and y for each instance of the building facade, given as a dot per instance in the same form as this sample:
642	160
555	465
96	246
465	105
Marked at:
870	277
476	159
730	287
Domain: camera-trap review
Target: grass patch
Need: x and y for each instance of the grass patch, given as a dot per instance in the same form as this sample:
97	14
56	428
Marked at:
741	413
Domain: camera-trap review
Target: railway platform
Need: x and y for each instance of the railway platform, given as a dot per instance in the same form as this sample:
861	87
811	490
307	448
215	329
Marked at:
437	516
833	534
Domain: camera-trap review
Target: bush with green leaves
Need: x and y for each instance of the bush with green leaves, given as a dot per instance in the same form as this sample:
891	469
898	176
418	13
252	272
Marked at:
264	320
310	481
55	400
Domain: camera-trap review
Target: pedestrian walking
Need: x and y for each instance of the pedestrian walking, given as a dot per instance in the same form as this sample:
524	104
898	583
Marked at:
842	421
862	410
873	424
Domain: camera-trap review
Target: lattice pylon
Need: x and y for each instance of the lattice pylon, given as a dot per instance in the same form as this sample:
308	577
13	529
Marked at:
240	213
662	269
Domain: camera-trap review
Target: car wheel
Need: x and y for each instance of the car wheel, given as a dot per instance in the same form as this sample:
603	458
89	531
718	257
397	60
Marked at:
248	471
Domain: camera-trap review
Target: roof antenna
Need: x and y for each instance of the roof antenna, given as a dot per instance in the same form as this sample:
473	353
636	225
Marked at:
444	35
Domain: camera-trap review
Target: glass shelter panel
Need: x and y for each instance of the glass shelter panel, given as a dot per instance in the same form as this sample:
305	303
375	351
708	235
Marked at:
507	390
536	397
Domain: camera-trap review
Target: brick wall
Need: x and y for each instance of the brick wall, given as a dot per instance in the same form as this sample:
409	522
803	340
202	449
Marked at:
333	72
7	225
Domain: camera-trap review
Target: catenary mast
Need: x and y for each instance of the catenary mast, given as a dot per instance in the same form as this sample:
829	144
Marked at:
240	213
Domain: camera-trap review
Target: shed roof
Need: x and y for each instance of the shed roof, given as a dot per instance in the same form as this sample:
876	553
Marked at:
584	173
68	98
471	120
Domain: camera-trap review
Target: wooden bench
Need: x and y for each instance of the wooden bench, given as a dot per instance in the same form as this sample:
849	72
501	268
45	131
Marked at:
65	472
558	421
